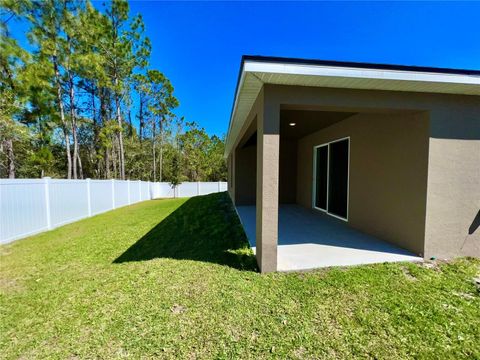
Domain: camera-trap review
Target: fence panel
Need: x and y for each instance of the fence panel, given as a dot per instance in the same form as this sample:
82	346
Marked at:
29	206
22	208
162	190
121	193
101	193
223	186
208	188
68	201
134	192
145	191
187	189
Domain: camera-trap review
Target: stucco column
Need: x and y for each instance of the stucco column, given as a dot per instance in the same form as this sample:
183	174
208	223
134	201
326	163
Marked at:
268	153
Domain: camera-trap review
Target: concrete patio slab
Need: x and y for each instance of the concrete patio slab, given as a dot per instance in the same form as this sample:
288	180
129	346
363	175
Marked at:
309	239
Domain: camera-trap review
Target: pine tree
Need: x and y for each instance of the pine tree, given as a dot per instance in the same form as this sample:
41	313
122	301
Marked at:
12	86
46	18
161	104
67	107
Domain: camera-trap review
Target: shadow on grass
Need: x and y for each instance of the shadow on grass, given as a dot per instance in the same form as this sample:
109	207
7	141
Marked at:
204	228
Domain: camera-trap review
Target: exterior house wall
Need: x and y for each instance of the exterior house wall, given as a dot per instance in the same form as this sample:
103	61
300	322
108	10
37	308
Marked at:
453	199
236	170
388	174
245	176
453	191
230	177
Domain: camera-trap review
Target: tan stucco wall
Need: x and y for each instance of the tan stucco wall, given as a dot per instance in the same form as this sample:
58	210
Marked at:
236	170
454	183
245	175
230	177
388	174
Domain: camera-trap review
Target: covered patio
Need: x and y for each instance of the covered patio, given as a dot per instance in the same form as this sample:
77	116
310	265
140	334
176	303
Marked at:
309	240
359	221
333	164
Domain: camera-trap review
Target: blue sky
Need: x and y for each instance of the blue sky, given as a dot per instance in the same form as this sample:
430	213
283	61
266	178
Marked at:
199	45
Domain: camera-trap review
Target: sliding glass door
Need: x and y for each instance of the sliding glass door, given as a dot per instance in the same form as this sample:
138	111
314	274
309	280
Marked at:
331	167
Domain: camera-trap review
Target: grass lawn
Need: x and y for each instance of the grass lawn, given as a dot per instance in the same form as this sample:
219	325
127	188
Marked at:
176	279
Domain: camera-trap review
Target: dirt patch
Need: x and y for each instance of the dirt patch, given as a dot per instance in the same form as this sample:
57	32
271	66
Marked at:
178	309
434	265
10	286
5	250
299	353
476	282
464	295
408	274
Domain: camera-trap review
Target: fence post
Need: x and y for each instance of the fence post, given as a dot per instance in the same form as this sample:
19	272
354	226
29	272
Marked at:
128	191
89	198
198	187
47	201
139	190
113	193
219	186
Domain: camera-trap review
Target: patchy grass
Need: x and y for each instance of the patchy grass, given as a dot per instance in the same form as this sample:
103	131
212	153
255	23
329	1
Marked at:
175	279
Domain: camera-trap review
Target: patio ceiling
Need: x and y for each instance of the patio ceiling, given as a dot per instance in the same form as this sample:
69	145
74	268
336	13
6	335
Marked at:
311	121
256	71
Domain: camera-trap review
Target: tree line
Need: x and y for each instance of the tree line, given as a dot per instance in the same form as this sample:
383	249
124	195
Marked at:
83	101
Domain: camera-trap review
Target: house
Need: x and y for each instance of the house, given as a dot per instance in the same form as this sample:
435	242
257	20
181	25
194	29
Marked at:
387	156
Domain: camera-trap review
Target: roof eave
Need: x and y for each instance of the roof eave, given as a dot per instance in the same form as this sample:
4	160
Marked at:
348	70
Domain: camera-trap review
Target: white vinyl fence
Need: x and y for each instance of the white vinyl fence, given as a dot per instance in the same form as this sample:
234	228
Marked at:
30	206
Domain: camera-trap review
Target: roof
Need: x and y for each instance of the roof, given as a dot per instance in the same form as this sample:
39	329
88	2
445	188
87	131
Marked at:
359	65
258	70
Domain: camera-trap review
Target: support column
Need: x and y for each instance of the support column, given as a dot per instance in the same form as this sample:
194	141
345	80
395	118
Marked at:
268	154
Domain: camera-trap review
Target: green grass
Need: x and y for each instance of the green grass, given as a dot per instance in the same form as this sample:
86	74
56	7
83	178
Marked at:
176	279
